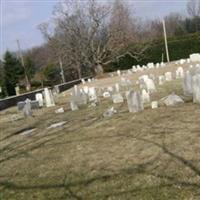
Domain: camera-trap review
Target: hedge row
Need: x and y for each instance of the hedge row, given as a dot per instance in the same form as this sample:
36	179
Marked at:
179	47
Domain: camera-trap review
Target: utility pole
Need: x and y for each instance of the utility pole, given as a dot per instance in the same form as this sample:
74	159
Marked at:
165	37
61	71
28	85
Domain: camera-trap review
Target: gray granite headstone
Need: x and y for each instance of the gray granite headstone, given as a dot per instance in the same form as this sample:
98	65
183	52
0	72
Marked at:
196	88
27	108
20	105
134	100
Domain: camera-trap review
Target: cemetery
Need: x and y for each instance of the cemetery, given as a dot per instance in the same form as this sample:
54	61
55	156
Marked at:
132	134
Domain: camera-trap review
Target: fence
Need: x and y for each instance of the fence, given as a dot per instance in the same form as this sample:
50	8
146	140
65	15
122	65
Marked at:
12	101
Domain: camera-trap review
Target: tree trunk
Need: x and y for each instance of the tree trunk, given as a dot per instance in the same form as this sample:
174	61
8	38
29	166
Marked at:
79	72
99	69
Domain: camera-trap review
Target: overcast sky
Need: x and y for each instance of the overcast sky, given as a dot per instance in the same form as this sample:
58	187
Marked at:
19	18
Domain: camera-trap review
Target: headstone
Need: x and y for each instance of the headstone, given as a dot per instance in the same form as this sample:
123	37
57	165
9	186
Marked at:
118	72
39	98
150	65
196	88
34	104
59	110
161	80
73	106
187	84
92	94
134	101
17	90
162	64
48	96
56	125
157	65
117	88
109	112
83	81
182	61
168	76
117	98
145	96
20	105
172	100
195	57
86	89
150	86
154	104
188	60
106	94
179	73
27	108
110	89
134	69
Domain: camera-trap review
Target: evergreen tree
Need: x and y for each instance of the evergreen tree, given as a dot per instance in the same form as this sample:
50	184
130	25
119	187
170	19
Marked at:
30	67
13	71
2	81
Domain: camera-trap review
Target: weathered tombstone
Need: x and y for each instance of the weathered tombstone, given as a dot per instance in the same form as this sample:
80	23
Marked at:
150	86
187	84
145	96
117	88
162	64
157	65
161	80
196	88
86	89
48	96
150	65
179	73
134	69
182	61
59	110
17	90
110	89
73	105
195	57
117	98
118	72
35	104
168	76
27	108
154	104
20	105
172	100
134	101
109	112
106	94
83	81
92	94
39	98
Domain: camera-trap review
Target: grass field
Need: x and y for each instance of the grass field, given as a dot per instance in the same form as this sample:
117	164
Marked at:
150	155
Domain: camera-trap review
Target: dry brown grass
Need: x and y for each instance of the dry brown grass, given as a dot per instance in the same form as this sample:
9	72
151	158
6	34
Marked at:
149	155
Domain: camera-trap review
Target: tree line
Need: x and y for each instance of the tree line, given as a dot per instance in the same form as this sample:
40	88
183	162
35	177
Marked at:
90	37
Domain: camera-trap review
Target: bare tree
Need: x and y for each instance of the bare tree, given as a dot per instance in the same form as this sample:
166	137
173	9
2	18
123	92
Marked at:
193	8
174	24
92	34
